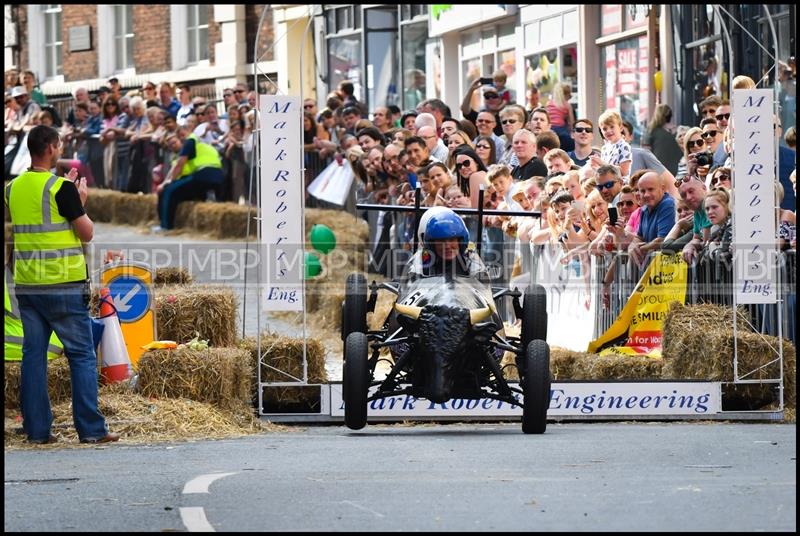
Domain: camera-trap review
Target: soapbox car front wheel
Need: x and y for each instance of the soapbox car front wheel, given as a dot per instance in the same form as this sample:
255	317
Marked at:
356	379
354	308
536	387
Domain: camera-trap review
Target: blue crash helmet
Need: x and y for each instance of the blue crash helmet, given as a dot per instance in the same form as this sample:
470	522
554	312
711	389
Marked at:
443	224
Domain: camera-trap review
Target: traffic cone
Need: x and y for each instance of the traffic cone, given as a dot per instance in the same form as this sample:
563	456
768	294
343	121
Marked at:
116	365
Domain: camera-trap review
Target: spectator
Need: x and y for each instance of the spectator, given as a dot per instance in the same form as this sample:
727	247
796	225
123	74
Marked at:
492	103
561	115
722	116
717	206
166	100
644	159
708	106
694	144
572	184
148	92
102	93
658	217
582	136
212	128
616	237
558	161
436	148
469	127
790	138
532	94
616	151
609	183
350	115
184	92
418	153
123	146
381	119
470	173
485	149
29	81
139	172
660	141
394	115
720	176
197	170
401	135
553	185
346	91
459	137
524	146
539	121
632	225
711	134
27	109
449	126
546	141
108	136
507	95
240	92
115	87
370	137
431	195
408	121
595	215
438	109
485	124
787	223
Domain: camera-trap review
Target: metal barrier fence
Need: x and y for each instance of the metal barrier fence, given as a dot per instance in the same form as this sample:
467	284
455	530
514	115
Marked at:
708	281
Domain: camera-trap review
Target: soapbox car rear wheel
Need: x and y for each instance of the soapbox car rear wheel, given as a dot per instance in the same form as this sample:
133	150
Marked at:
534	316
356	379
354	308
536	387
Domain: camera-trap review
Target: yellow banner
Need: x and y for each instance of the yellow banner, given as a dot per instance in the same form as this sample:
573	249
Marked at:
642	318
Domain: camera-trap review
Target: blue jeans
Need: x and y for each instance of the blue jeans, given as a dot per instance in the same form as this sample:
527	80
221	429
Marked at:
61	310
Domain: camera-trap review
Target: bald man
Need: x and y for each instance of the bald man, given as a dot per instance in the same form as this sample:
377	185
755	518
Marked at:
524	146
435	145
658	217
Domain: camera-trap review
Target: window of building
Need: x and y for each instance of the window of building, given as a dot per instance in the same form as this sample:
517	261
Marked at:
53	44
381	49
123	37
623	68
197	33
413	43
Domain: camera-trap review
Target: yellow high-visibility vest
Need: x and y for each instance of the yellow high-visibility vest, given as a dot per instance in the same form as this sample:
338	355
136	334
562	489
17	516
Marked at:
13	328
47	251
205	156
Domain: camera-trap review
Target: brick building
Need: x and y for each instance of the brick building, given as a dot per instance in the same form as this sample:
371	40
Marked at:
208	46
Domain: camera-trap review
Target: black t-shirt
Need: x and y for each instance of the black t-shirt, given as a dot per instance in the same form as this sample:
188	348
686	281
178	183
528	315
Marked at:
498	127
533	168
68	201
189	149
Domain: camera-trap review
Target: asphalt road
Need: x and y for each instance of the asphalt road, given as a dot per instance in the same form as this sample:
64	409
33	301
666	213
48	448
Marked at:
461	477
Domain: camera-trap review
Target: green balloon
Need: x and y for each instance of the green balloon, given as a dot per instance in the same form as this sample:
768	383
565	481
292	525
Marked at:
322	238
313	266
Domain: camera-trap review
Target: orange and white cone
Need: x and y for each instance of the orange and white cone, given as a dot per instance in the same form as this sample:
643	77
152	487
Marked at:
116	365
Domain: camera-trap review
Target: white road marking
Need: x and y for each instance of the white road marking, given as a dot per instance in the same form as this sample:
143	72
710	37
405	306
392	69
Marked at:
201	483
194	518
356	505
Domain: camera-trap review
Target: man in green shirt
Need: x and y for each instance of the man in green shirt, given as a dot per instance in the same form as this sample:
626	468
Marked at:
29	81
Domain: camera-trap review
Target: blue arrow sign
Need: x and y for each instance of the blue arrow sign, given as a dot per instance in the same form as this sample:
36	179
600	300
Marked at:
131	297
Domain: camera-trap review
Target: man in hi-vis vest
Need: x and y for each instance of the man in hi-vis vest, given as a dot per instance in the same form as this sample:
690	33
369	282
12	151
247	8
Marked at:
196	170
50	278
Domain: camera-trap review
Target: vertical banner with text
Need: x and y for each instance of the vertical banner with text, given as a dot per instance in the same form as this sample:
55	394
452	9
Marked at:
282	188
754	206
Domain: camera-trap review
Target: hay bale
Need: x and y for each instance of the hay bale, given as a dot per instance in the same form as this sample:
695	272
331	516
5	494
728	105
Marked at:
172	276
686	326
59	385
211	311
756	352
218	376
135	209
100	204
286	354
184	215
616	367
563	363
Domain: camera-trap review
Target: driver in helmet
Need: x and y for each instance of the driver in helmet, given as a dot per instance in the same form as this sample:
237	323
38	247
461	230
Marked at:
445	240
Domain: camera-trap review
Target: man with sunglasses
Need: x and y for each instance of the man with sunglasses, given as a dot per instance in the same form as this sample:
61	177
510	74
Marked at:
609	183
711	134
486	124
491	101
583	134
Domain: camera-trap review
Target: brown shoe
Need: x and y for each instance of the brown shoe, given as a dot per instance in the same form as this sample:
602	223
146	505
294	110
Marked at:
108	438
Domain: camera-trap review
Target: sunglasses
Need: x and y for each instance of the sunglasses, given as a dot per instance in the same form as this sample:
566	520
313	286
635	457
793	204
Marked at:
696	143
585	130
681	180
709	133
149	88
606	185
238	91
465	163
482	146
626	203
719	178
508	121
484	121
309	106
720	117
491	96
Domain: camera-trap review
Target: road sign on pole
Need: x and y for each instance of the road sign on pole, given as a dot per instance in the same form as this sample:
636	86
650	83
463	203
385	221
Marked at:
131	289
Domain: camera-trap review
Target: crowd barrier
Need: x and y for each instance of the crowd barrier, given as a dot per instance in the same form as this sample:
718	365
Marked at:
710	280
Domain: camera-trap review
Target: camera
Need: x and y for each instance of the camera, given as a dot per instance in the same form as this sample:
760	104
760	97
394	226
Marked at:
704	159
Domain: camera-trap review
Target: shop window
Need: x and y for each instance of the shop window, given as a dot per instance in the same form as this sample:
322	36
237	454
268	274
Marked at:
541	71
625	74
344	63
414	38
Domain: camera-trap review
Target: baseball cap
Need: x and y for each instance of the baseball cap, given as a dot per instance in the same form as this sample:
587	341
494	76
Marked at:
113	80
18	90
490	90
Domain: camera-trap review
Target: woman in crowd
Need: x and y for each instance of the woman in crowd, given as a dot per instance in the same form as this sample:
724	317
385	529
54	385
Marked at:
429	179
456	139
234	153
615	238
136	133
718	209
594	217
562	116
659	140
632	226
470	173
486	150
693	143
787	230
720	176
108	136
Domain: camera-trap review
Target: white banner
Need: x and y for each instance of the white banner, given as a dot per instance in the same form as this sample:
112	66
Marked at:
566	399
753	178
333	184
282	188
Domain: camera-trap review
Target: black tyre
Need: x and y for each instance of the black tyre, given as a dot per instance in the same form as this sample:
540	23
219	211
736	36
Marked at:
354	308
536	387
356	379
534	315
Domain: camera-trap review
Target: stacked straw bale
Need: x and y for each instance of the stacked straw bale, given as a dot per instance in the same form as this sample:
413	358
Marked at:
286	354
182	311
172	276
218	376
100	204
58	382
220	220
135	209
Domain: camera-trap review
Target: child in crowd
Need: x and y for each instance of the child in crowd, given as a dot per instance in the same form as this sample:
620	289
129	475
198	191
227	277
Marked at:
506	94
616	151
